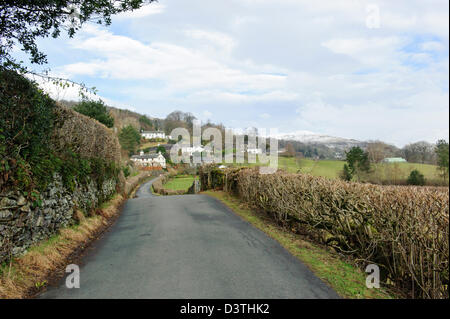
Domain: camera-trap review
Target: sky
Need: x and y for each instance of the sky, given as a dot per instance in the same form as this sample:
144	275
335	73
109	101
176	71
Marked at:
368	70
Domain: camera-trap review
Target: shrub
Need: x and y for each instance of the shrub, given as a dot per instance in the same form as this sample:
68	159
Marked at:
126	171
416	178
404	230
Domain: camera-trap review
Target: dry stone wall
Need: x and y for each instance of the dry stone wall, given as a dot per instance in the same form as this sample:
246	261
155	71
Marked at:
24	222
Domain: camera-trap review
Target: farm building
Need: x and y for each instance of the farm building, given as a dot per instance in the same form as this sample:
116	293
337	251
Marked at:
394	160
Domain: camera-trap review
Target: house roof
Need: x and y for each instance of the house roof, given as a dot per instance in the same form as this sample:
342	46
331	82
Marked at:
152	132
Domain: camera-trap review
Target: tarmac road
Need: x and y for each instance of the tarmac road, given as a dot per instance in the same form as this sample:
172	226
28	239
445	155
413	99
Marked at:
189	246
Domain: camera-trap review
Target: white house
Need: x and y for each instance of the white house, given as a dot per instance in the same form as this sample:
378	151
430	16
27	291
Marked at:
153	134
153	160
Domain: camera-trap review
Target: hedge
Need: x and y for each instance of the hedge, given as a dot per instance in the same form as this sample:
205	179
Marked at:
39	137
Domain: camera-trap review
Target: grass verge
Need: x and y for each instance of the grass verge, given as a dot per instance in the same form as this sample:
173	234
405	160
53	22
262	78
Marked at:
346	279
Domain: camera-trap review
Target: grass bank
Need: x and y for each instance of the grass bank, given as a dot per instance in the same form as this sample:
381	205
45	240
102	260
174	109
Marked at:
44	263
346	279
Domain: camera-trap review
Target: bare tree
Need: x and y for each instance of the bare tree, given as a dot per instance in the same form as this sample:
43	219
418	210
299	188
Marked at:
376	151
290	151
420	152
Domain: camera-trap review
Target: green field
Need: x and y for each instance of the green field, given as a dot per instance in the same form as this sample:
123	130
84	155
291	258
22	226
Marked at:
325	168
383	173
180	182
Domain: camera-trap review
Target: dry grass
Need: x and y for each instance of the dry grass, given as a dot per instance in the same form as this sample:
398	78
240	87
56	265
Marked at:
26	275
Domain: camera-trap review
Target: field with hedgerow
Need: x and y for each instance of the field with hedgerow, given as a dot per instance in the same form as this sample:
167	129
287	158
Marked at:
402	229
381	173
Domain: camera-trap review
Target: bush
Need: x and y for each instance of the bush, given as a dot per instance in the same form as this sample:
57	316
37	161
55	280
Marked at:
416	178
126	171
404	230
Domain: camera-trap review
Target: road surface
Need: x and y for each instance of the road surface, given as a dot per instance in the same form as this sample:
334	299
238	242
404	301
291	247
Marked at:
188	246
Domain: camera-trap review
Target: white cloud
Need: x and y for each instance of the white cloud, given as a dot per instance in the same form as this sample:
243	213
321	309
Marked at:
180	67
432	46
373	51
223	41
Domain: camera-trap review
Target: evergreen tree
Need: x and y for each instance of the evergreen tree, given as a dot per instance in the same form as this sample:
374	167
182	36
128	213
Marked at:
442	151
96	110
416	178
129	139
357	162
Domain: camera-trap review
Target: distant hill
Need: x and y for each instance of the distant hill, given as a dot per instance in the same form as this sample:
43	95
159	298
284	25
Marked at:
307	137
318	145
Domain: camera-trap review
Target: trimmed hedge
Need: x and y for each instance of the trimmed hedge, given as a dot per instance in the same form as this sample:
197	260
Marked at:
39	137
404	230
84	136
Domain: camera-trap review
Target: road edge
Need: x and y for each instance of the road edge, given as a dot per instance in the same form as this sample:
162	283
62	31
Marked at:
339	274
44	263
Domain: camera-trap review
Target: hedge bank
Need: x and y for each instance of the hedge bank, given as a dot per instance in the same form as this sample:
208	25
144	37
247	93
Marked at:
53	162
